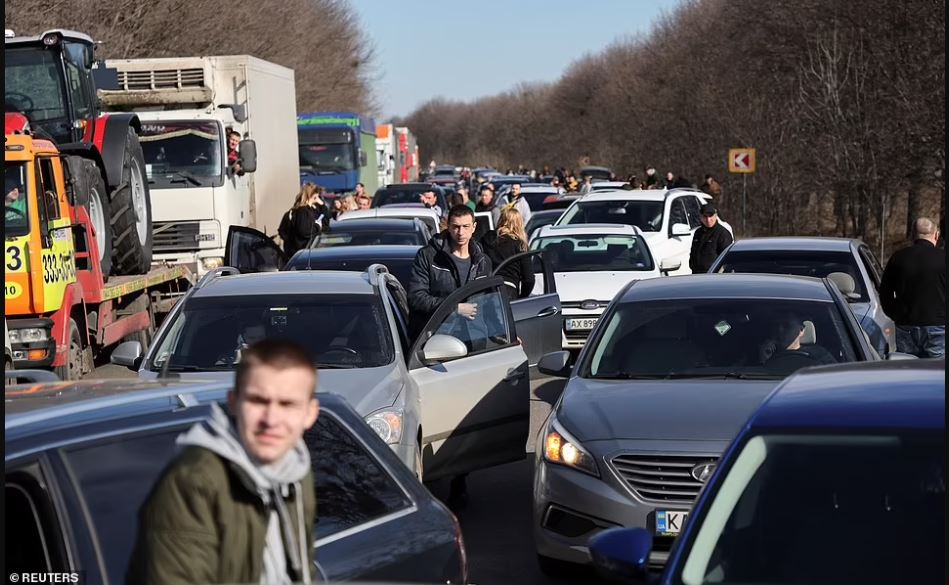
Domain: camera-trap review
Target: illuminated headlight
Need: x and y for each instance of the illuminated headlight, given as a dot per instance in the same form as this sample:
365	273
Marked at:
28	335
387	424
212	262
562	449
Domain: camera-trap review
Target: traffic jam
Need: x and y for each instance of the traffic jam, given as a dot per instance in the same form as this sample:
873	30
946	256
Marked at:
297	377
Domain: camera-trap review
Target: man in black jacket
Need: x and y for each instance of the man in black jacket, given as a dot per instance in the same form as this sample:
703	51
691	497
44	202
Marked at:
913	293
709	240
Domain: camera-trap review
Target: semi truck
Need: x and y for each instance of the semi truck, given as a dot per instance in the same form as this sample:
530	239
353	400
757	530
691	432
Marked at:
338	150
62	308
407	157
385	154
188	107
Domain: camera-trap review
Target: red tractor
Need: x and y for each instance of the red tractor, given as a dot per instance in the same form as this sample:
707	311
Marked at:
52	80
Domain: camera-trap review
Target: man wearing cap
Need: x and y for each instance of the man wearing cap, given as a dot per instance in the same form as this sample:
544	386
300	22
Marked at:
709	240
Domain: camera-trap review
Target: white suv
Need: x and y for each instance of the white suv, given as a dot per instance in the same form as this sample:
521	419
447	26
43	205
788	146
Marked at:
591	263
667	218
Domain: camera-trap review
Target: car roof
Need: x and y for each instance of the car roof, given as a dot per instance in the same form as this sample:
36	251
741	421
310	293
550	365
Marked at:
287	283
902	394
588	229
728	286
406	186
603	185
376	224
531	188
397	209
625	195
813	244
336	253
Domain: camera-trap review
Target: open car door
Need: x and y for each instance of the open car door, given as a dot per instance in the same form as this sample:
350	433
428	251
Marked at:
249	250
537	317
473	382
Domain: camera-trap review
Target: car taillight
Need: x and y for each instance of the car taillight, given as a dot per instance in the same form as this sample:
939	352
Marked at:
550	198
462	554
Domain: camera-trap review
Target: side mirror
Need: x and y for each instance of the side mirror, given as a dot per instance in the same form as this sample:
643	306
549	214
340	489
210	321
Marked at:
897	355
441	348
555	363
128	354
667	266
247	152
622	554
680	230
363	158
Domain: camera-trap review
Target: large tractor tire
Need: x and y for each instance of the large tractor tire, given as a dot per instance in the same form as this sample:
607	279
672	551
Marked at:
132	214
92	194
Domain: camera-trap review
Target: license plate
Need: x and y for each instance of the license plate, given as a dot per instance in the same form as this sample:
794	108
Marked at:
669	522
579	324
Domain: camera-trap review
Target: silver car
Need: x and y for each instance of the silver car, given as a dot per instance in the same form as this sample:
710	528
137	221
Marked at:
850	261
670	373
453	399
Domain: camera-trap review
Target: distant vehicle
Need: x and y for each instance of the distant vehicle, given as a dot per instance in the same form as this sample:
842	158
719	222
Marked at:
668	219
408	193
114	437
534	194
539	219
851	260
407	159
397	259
338	150
597	173
445	171
387	168
669	375
418	211
877	472
607	185
374	232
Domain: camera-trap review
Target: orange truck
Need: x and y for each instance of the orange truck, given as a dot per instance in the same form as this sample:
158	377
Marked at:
62	310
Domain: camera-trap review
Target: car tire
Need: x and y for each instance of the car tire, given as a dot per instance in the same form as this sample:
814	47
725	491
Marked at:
132	214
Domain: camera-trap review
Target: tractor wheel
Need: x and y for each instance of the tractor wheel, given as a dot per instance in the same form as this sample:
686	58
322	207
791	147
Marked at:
92	193
132	213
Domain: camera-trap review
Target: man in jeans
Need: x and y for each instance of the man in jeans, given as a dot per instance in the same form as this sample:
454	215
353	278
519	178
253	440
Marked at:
913	293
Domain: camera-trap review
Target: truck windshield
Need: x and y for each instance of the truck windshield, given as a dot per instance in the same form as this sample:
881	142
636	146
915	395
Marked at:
16	219
33	85
182	154
327	150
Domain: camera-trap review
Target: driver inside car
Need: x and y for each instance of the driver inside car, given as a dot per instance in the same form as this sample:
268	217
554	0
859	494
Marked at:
791	341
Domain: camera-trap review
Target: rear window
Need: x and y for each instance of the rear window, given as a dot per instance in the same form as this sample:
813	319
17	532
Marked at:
646	215
799	263
389	196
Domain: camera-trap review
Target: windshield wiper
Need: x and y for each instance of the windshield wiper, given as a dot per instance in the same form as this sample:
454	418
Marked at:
188	176
336	366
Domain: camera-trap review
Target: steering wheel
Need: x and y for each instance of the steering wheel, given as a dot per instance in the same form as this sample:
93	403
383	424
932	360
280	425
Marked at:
19	97
15	210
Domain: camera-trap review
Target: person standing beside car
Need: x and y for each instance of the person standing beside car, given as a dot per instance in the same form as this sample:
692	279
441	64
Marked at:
238	504
509	239
913	293
304	221
708	241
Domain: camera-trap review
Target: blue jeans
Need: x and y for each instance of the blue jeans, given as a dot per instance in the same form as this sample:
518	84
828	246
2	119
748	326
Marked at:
924	342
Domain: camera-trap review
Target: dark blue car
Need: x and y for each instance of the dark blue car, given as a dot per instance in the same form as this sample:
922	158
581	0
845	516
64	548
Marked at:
837	478
81	458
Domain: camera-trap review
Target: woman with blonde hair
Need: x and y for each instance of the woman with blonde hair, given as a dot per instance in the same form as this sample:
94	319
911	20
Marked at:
304	221
346	203
508	239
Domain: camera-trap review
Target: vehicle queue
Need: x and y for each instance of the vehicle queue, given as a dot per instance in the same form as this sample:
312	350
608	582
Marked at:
683	416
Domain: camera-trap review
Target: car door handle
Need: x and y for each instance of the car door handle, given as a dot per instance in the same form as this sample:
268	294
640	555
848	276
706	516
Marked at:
514	375
549	312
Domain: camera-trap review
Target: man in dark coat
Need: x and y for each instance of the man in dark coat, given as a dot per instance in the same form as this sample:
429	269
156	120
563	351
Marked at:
709	240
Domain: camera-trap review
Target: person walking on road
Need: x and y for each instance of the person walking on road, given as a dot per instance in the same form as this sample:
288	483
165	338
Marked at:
708	241
913	293
237	505
509	239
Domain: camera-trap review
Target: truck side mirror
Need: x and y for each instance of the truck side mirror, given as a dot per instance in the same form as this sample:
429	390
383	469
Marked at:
247	152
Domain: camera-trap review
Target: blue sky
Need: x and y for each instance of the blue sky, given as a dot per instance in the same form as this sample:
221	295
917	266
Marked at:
464	49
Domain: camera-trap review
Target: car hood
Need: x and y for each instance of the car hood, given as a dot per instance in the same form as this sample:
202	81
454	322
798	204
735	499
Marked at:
600	286
595	410
366	389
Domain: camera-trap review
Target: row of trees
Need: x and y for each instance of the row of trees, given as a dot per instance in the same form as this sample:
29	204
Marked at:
843	100
321	40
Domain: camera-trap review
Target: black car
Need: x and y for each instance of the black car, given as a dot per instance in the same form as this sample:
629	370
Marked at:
402	193
373	232
398	259
82	457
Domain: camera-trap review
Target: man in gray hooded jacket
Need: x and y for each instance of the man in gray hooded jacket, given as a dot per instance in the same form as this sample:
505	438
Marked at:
238	504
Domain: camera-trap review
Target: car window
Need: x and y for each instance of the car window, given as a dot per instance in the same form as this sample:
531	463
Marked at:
872	265
352	487
677	212
824	491
693	207
646	215
390	196
815	264
712	337
37	546
115	478
586	253
341	331
487	331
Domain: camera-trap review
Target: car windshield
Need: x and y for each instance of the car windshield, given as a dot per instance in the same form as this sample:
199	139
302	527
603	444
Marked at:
15	216
339	236
182	154
646	215
590	253
340	331
327	150
391	196
801	263
817	508
718	337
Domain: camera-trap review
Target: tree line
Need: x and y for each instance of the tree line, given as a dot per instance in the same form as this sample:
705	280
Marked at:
321	40
843	101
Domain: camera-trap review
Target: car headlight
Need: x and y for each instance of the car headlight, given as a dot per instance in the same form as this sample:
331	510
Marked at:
387	424
563	449
28	335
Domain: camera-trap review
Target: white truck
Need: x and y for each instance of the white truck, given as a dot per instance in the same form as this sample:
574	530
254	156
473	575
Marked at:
385	150
188	106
